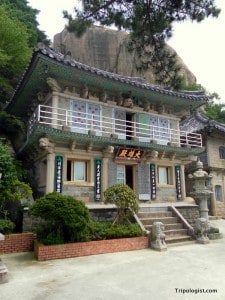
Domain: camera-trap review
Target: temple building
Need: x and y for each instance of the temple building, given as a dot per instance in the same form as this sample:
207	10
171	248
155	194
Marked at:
88	129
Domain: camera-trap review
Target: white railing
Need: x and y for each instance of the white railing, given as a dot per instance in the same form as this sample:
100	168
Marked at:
81	122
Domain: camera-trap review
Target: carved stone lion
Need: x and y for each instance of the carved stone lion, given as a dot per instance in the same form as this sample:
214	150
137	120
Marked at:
53	84
201	229
45	144
158	236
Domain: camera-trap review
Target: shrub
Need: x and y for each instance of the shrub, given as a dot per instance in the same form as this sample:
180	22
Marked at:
67	219
108	230
125	200
6	226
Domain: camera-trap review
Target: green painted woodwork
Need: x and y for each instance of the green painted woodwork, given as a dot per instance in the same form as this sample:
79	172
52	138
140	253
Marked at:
43	67
65	138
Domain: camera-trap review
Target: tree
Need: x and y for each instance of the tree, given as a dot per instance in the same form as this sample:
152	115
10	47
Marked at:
20	10
125	200
216	112
19	35
11	188
68	220
13	55
149	24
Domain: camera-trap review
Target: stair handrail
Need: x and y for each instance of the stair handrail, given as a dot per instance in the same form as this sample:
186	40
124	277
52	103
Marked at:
183	220
139	222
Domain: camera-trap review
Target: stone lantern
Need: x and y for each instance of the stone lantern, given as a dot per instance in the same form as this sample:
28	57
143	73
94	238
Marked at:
201	191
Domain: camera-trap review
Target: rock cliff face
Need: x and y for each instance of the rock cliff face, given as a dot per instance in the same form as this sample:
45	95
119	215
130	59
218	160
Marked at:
106	49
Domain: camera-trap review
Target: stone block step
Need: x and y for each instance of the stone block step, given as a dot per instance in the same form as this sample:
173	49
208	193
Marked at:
167	226
177	232
165	220
155	214
153	209
178	239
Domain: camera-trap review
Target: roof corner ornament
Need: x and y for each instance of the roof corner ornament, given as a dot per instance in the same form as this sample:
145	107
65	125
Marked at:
47	145
53	84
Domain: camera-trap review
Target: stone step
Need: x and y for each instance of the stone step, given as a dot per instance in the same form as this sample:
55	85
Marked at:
158	214
153	209
165	220
181	242
177	239
167	226
177	232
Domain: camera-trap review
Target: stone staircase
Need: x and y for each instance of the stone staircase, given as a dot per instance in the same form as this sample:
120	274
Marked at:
174	230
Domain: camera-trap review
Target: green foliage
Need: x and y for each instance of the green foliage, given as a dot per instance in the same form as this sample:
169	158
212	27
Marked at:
14	56
48	235
6	226
107	230
216	112
11	189
19	35
68	219
12	128
150	24
124	198
21	10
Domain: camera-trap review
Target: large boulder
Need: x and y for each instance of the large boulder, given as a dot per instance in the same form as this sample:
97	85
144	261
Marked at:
106	49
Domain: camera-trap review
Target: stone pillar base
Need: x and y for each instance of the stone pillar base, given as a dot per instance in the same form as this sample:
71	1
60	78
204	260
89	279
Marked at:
203	241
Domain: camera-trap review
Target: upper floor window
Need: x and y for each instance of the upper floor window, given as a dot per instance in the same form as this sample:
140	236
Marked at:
153	128
85	116
222	152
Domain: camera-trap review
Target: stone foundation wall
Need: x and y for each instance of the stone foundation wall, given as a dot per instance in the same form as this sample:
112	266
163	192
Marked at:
30	223
189	213
220	209
102	215
83	193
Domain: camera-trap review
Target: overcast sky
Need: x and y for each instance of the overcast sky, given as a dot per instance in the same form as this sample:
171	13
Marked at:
200	45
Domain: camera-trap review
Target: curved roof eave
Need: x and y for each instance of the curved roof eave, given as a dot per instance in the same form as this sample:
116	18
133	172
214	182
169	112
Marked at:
50	57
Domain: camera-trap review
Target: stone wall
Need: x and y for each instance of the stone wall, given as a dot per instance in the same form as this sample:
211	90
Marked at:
103	214
189	213
83	193
214	159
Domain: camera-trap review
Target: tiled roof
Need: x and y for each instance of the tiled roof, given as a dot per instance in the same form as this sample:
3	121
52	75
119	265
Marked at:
134	81
200	122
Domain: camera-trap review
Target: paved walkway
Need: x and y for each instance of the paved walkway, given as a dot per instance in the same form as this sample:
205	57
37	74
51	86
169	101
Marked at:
179	273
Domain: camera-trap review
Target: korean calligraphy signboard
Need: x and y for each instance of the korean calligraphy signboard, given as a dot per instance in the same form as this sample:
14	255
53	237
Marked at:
178	182
58	173
129	154
153	181
98	179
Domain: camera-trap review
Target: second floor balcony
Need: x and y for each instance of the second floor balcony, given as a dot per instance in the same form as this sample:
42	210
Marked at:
105	126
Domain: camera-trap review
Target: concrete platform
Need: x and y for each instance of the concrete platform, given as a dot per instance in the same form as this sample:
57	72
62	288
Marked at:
191	271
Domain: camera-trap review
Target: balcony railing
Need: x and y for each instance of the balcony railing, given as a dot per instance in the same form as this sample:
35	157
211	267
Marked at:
80	122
